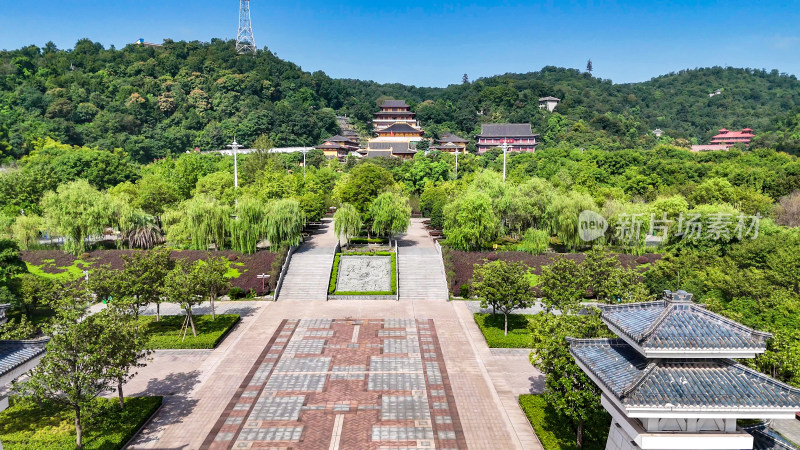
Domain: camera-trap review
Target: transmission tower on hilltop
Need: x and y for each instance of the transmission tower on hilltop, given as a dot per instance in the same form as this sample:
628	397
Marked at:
245	43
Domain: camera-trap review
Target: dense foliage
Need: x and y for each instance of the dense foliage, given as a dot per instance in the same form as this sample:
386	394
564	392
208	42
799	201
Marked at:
154	102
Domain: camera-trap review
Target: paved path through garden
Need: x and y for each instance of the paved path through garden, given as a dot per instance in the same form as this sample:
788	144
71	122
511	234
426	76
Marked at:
310	269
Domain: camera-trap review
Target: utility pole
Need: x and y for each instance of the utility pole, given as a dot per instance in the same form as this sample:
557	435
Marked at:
235	146
505	147
245	42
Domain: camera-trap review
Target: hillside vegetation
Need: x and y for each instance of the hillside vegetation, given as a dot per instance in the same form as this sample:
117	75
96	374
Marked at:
153	102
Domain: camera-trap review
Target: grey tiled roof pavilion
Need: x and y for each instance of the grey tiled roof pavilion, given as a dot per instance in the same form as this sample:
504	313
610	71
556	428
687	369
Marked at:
14	354
677	325
679	384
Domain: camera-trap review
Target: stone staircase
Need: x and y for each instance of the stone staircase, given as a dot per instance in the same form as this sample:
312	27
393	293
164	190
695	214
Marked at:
308	274
422	274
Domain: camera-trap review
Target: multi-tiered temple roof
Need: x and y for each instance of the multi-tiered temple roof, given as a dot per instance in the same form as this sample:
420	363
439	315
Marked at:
670	380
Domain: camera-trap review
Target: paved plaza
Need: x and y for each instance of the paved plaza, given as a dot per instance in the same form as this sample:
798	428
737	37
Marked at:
371	374
330	384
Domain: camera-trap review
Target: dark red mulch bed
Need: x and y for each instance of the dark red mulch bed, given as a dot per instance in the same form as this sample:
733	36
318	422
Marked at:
255	264
460	265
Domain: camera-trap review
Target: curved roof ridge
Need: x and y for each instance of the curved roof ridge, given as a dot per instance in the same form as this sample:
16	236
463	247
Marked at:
640	379
668	309
701	309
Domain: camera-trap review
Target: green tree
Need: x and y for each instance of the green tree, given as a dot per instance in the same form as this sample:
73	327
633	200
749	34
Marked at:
249	227
363	185
211	279
285	221
72	372
182	286
126	345
567	388
346	222
470	222
146	274
198	223
502	285
36	292
534	241
390	214
562	216
11	265
26	230
77	210
563	285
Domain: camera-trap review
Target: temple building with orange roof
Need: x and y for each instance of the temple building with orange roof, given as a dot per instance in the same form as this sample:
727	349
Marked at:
338	146
449	142
397	131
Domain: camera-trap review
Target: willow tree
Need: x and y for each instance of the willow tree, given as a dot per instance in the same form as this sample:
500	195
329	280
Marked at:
76	211
198	223
285	221
470	222
250	225
563	213
390	214
25	230
347	222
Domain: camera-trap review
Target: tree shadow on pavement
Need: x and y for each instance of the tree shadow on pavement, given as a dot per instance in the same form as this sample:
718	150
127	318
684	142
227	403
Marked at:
176	389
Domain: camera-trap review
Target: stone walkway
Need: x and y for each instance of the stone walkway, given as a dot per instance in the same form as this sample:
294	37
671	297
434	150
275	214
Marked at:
201	384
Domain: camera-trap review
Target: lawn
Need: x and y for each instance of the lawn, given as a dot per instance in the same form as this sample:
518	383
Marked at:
492	328
27	425
166	333
67	273
552	428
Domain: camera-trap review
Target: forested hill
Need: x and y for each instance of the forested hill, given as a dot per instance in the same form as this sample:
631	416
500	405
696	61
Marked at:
152	102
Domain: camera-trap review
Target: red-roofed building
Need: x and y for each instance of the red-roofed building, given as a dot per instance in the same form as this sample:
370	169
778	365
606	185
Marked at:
727	137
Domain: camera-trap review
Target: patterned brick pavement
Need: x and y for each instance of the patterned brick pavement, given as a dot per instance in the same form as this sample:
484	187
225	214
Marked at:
340	384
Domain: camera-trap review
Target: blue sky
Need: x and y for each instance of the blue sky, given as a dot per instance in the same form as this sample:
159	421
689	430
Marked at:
433	43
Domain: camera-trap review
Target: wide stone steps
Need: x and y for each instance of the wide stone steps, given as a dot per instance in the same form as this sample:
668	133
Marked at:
422	275
308	276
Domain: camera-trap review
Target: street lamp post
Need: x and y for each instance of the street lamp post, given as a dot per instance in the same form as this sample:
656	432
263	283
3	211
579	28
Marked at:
456	164
235	146
505	147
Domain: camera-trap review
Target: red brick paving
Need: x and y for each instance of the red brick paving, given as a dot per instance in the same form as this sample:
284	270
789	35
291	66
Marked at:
358	422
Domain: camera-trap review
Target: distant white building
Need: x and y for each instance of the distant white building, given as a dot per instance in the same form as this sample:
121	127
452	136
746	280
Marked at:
549	102
717	92
658	132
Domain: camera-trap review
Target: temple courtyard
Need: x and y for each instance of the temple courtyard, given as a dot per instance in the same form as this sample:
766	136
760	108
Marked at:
373	374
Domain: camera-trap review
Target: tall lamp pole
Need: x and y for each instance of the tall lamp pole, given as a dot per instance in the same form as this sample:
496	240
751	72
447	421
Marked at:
235	146
505	147
456	163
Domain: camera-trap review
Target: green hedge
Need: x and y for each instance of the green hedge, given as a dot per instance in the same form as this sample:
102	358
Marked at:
166	334
335	274
28	425
492	328
369	241
553	430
